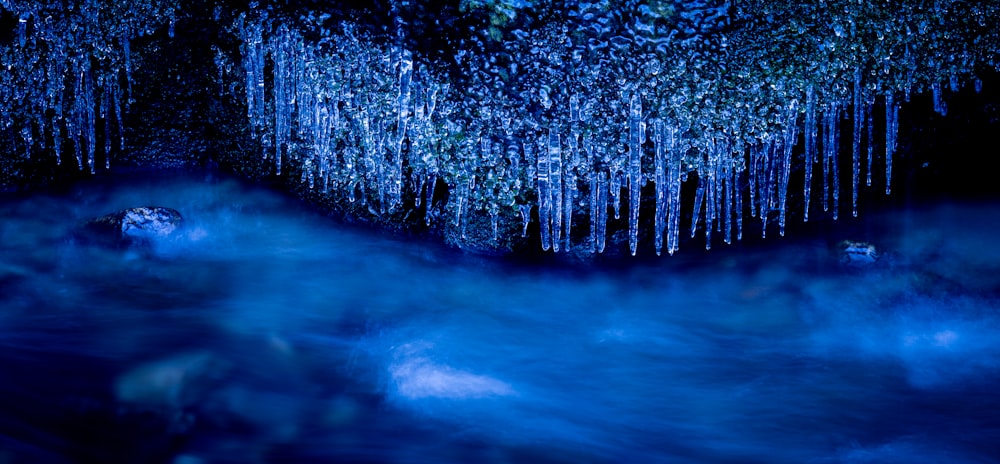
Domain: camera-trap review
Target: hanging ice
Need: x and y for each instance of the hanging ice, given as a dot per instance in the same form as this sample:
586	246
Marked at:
635	170
367	120
283	57
811	132
660	179
555	184
891	128
788	143
544	198
253	61
940	107
600	216
856	138
869	117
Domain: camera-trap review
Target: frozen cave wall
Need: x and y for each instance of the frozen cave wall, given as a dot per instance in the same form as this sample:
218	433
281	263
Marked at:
571	126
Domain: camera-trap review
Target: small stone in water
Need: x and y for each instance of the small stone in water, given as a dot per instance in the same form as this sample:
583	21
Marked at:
132	226
149	222
857	253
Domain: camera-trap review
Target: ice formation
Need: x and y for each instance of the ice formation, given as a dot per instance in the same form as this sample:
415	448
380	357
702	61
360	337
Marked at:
548	114
565	131
69	75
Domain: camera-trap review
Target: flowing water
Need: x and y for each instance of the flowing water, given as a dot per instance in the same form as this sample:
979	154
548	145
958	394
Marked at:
263	332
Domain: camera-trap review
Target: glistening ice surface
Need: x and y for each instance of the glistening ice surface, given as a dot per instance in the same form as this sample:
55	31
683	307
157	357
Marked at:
266	333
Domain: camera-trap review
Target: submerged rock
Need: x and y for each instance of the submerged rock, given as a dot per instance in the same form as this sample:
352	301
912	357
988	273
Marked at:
175	382
132	226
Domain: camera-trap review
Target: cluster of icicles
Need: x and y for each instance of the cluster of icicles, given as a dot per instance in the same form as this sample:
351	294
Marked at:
358	137
60	92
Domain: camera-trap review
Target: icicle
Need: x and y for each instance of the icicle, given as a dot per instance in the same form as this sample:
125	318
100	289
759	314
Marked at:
593	212
869	109
738	196
429	202
635	170
674	180
569	190
660	179
83	119
495	221
766	154
753	155
615	189
593	203
810	130
253	62
525	218
891	129
940	107
107	127
712	193
544	197
461	218
834	157
57	131
27	139
602	209
727	175
90	122
555	178
831	121
283	57
127	55
856	136
418	197
403	118
709	198
699	198
953	82
788	144
978	84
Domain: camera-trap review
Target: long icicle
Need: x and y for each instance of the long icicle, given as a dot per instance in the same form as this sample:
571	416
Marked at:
635	170
556	187
891	129
544	196
674	180
788	144
856	135
810	131
661	185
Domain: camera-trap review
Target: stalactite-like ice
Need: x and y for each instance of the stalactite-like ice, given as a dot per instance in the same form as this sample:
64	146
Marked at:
530	135
554	152
891	128
65	71
790	136
660	179
940	107
544	200
811	133
870	131
602	210
635	140
253	62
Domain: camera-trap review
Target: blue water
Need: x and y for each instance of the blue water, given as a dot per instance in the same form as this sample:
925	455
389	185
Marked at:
264	332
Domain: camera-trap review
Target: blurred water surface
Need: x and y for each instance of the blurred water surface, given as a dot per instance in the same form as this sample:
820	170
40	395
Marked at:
264	332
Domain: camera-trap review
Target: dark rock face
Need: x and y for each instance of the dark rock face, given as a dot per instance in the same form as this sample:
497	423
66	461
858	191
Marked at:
130	227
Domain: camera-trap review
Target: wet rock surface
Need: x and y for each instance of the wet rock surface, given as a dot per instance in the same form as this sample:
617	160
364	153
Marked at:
858	254
130	227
